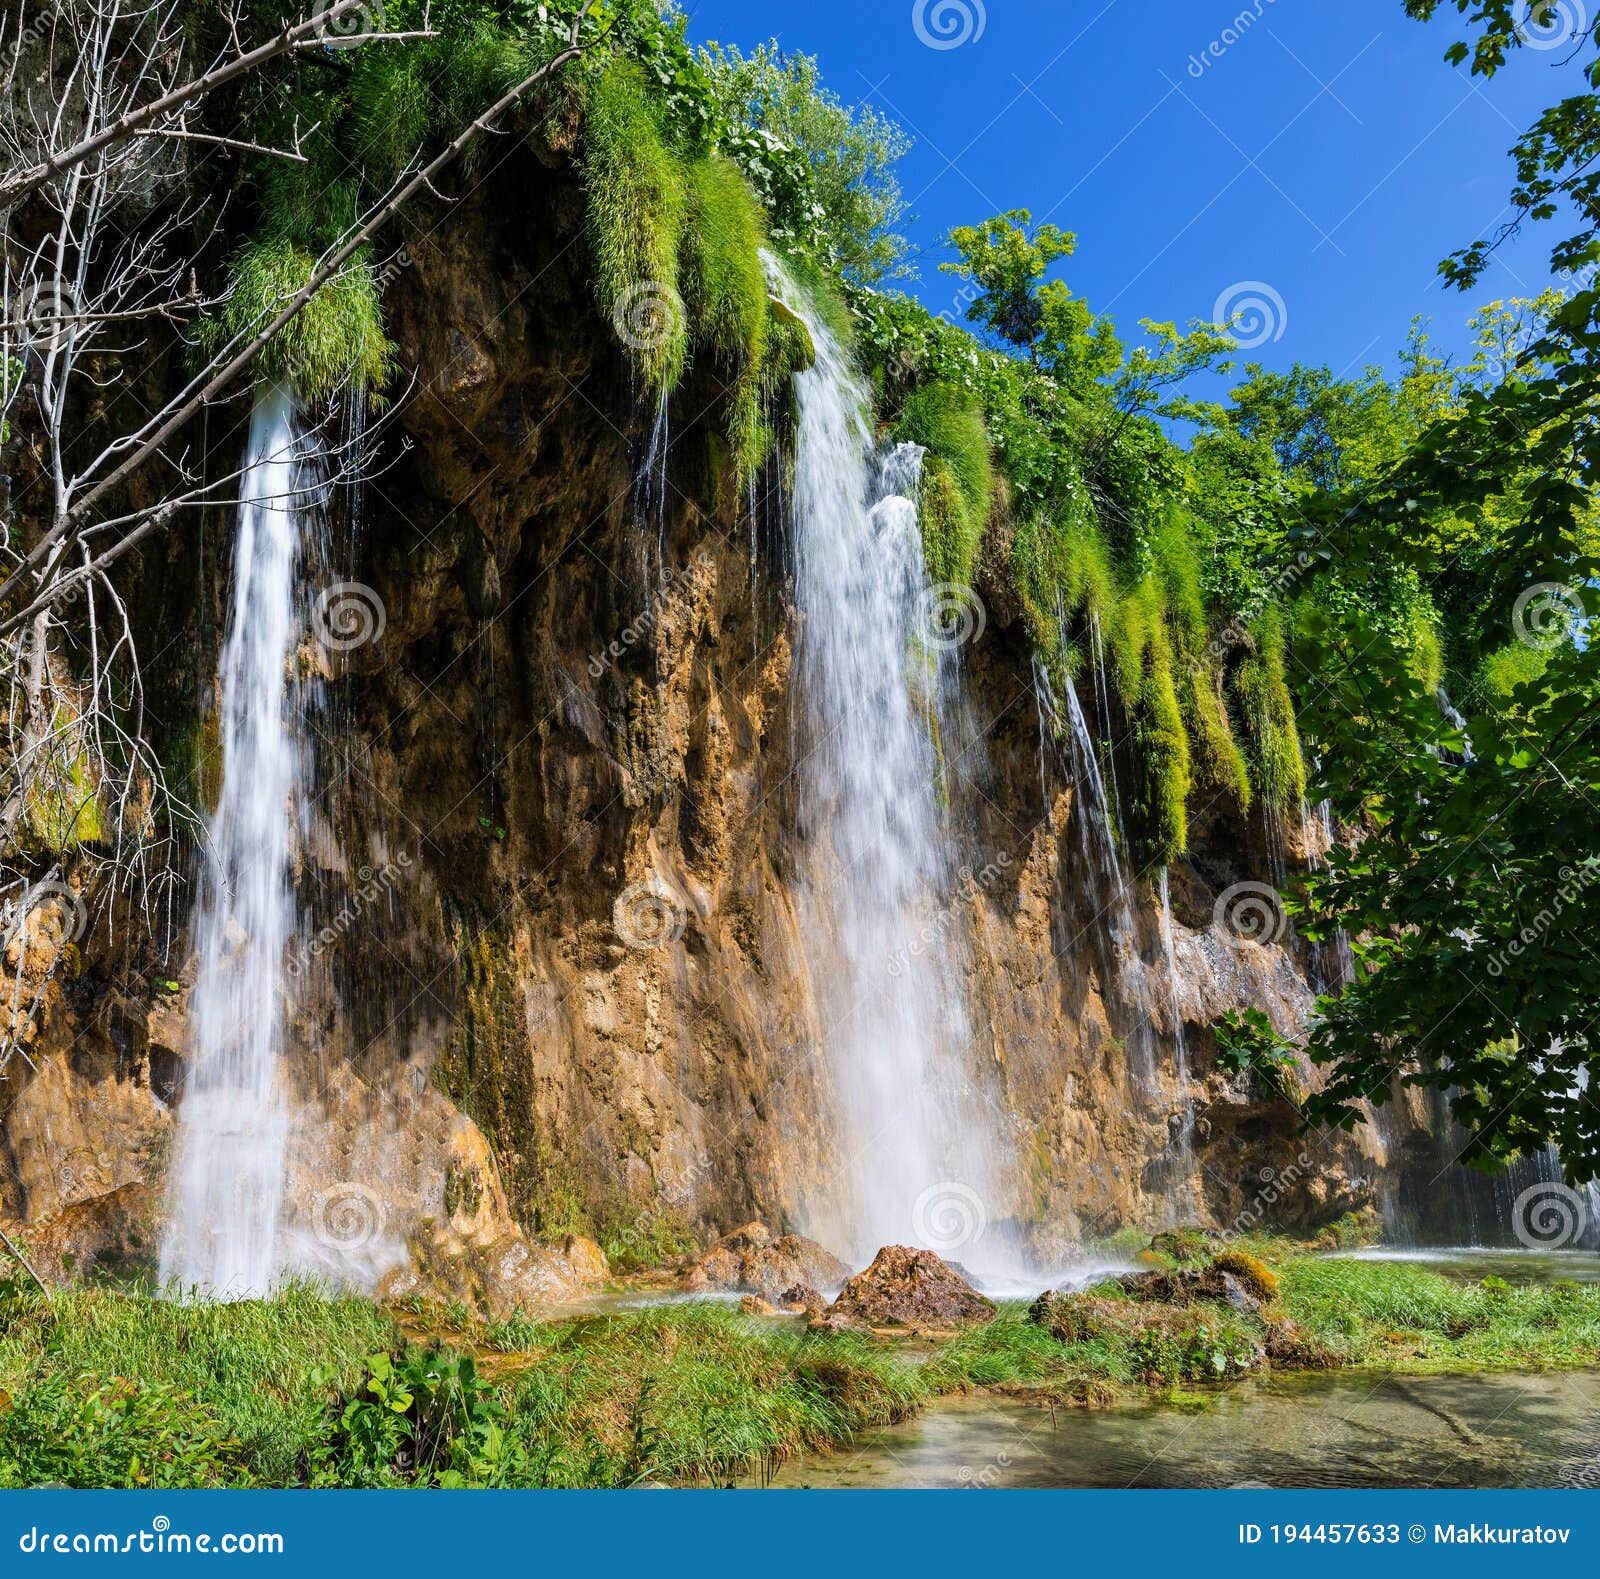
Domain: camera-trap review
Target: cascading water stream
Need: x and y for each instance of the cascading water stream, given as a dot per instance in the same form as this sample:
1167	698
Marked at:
917	1158
1180	1044
221	1238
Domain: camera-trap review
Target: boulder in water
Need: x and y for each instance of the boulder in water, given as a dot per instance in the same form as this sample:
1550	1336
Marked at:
751	1260
909	1288
802	1298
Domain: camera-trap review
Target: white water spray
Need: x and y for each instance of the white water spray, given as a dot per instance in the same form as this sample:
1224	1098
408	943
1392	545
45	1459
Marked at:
222	1232
879	905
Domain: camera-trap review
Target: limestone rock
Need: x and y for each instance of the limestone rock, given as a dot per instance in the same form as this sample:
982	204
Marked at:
907	1288
750	1260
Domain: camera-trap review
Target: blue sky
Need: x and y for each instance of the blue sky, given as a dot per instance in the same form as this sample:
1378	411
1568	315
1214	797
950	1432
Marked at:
1327	151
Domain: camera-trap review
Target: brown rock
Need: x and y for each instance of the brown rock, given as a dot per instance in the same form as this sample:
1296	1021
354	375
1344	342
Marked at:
907	1288
586	1258
804	1298
751	1261
836	1322
1188	1286
755	1305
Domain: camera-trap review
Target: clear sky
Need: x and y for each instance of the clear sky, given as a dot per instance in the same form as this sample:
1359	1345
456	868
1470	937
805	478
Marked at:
1325	150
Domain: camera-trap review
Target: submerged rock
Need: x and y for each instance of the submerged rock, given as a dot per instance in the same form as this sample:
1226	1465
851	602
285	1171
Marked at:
906	1288
1192	1285
750	1260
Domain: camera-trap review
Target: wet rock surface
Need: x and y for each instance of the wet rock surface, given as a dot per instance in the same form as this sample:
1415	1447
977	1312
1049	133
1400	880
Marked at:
910	1288
751	1260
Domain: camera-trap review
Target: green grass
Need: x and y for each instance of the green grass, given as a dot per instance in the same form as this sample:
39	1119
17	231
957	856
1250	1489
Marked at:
104	1389
959	480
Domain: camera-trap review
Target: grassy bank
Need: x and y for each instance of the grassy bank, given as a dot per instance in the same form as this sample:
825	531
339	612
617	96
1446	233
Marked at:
106	1389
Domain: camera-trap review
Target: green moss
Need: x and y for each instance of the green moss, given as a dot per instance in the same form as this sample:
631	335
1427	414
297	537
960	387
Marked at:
958	481
790	348
1262	685
638	206
336	340
1219	759
1513	665
1163	762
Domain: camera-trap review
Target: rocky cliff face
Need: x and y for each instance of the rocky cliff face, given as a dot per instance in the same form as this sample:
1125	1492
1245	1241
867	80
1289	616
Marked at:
553	975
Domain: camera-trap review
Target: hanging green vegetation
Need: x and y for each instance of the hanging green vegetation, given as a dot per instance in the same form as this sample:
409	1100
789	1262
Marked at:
1262	684
958	480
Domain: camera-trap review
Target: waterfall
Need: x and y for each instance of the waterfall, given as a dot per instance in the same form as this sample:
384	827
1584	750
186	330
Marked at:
879	906
1180	1044
222	1230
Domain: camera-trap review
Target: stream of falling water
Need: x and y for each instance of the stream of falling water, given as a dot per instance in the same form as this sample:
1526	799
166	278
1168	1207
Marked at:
228	1171
917	1158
